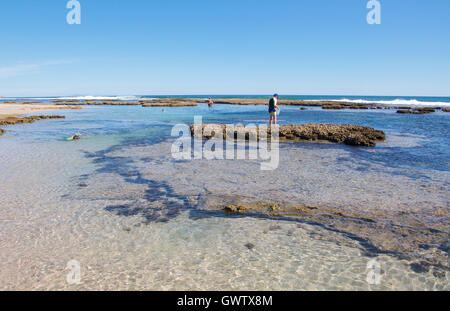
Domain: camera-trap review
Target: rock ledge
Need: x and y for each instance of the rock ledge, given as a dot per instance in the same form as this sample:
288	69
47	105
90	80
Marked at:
353	135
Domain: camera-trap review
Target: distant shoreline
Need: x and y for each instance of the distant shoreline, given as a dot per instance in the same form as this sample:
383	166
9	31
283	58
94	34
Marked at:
193	101
10	109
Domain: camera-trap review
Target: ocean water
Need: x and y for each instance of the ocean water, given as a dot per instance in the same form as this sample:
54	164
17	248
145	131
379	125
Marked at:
135	218
441	101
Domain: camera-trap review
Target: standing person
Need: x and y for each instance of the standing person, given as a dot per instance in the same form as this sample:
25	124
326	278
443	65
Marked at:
210	103
273	107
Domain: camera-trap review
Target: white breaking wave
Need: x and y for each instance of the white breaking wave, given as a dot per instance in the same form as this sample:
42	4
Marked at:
395	102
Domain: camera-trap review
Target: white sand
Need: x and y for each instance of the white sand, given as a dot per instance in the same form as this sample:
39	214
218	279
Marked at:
19	109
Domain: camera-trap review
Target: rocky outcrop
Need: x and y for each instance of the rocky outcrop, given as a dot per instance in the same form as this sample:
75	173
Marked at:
325	104
67	101
334	107
160	102
416	111
353	135
446	109
98	103
1	132
170	104
24	120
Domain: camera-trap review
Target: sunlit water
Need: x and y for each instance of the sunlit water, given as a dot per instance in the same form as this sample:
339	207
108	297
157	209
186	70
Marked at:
135	218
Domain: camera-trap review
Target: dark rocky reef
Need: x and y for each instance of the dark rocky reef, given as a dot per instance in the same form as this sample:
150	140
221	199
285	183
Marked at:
446	109
325	104
334	107
353	135
98	103
160	102
24	120
393	233
170	102
66	101
416	111
183	102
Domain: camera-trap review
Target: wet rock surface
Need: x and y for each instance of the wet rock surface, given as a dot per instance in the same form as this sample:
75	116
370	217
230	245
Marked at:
98	103
24	120
353	135
161	102
416	111
333	107
169	103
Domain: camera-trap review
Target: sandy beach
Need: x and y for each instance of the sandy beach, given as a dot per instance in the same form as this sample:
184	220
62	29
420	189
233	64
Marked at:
16	109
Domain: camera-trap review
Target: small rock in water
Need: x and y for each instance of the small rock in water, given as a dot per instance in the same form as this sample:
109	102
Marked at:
424	246
420	267
249	246
82	185
274	227
439	274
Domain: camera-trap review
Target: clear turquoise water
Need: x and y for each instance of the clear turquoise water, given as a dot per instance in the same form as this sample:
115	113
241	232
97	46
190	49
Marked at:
100	122
118	229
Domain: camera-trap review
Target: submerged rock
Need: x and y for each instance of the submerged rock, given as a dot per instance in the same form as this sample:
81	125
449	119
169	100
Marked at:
24	120
250	246
334	107
416	111
353	135
420	267
390	233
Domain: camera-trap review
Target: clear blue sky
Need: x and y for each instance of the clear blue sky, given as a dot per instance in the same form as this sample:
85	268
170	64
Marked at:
224	47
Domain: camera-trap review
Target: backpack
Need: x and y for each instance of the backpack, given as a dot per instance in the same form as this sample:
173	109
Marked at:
271	104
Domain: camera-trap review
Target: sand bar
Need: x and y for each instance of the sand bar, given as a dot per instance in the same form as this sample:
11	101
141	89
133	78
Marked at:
8	110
